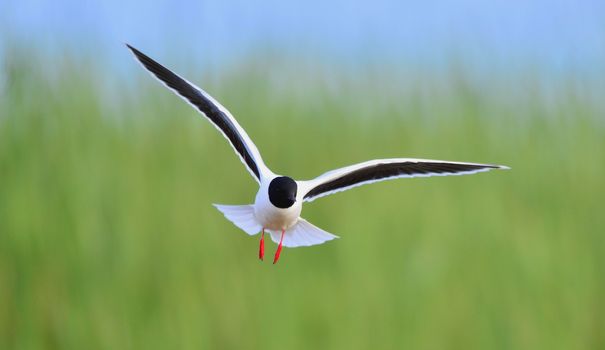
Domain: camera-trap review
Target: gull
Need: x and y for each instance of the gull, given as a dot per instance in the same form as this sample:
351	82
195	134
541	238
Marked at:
280	198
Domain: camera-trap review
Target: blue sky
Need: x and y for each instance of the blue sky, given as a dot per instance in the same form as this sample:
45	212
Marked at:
556	35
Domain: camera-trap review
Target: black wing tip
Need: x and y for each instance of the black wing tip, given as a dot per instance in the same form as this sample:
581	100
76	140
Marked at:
158	70
495	166
132	48
475	166
488	166
138	54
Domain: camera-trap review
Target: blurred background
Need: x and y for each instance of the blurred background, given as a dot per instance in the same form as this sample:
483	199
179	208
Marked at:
108	239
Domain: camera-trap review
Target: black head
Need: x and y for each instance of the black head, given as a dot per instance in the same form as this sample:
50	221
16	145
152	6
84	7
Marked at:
282	192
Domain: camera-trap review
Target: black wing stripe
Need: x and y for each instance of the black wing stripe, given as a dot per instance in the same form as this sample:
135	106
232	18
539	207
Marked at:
202	103
387	170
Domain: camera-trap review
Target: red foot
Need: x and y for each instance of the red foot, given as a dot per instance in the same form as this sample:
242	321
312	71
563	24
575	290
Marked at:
261	249
278	252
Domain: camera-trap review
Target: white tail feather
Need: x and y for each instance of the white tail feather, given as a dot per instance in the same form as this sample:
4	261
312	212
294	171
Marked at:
242	216
302	234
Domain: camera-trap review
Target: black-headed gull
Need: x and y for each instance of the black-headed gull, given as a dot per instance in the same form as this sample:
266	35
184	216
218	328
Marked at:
279	199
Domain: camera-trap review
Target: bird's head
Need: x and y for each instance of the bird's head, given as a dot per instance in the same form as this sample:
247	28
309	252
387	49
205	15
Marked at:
282	192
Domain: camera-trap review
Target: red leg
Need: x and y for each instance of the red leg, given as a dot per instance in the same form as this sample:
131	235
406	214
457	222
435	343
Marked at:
261	249
279	247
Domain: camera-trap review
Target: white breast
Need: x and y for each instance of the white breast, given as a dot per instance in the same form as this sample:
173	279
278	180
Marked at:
271	217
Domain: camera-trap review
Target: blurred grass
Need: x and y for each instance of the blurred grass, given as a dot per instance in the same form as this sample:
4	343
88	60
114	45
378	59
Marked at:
108	239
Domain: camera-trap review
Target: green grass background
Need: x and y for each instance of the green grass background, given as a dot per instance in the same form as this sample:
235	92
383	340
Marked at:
108	239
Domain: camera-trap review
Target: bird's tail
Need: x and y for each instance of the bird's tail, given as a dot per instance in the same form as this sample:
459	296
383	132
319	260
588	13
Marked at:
242	216
302	234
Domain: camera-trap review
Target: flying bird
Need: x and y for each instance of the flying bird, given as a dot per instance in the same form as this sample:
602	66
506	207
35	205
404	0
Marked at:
279	199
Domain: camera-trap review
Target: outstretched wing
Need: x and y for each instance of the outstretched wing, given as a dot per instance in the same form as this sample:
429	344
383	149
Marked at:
214	111
384	169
